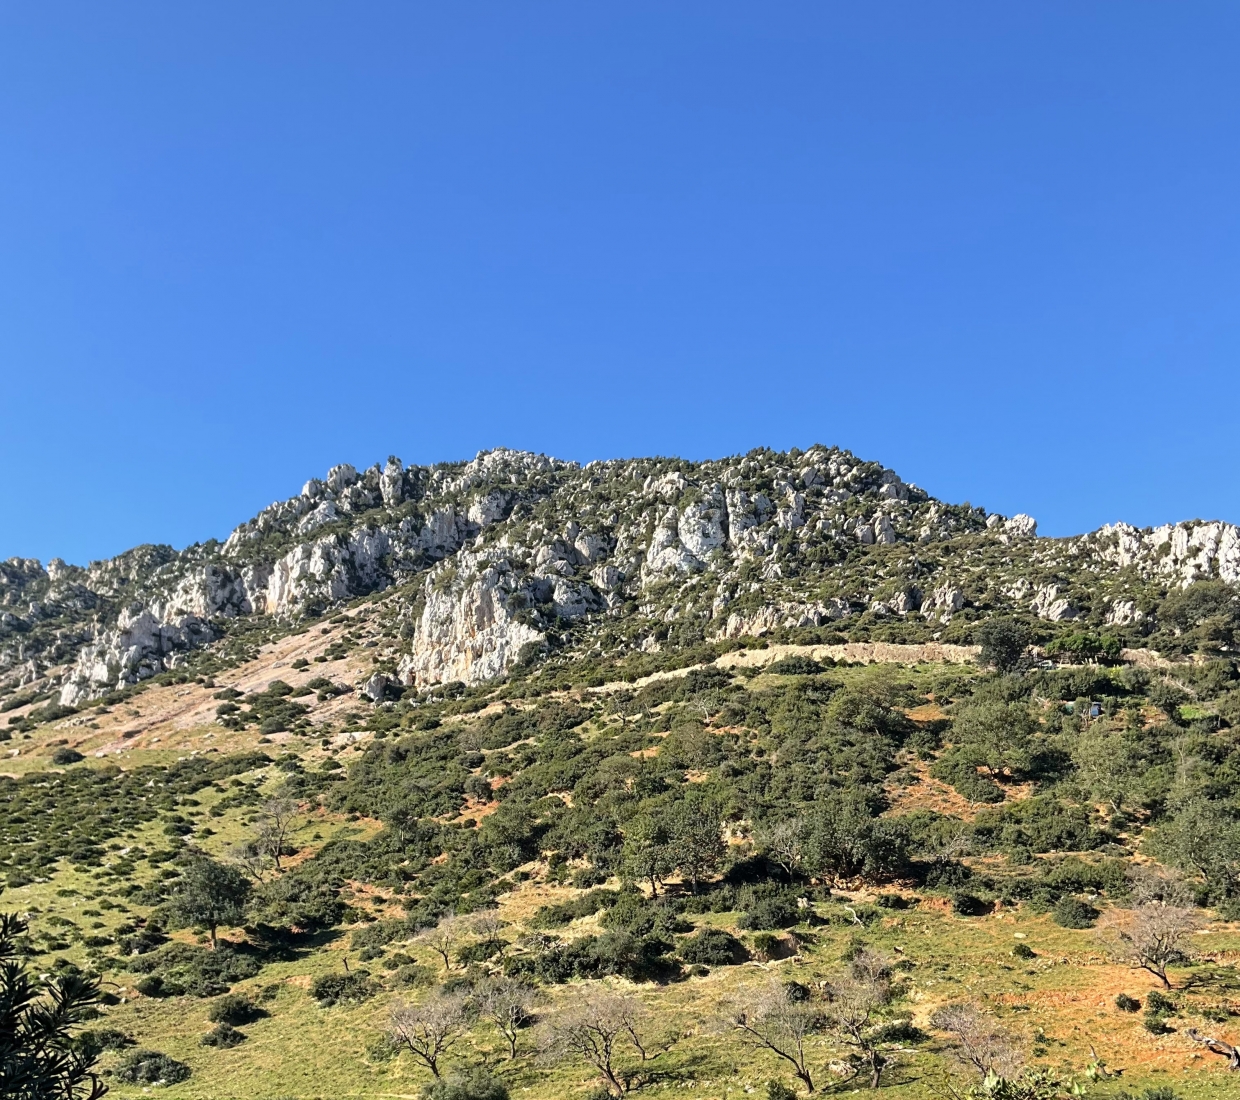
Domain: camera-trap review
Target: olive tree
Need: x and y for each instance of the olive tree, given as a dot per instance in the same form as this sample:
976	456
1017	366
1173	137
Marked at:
210	894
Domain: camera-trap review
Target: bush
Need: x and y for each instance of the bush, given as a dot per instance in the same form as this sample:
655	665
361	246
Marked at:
776	912
712	947
795	665
1070	912
64	756
969	905
1024	951
1126	1003
352	988
150	986
149	1067
479	1085
234	1008
777	1090
223	1035
767	945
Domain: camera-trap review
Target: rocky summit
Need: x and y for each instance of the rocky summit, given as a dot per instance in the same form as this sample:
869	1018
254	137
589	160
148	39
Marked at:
514	556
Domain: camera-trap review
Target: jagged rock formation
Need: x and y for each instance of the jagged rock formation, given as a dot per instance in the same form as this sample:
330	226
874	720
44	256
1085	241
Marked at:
500	559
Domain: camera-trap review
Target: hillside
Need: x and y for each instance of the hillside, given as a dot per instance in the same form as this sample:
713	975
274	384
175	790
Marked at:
769	752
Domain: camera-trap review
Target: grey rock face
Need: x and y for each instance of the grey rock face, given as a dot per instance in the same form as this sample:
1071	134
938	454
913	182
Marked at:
1050	605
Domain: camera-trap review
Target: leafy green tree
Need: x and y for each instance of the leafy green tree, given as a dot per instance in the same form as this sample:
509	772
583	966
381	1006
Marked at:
1003	642
647	852
995	736
39	1059
695	846
843	839
211	894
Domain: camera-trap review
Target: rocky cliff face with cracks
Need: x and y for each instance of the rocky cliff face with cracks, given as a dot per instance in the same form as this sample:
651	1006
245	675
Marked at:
501	559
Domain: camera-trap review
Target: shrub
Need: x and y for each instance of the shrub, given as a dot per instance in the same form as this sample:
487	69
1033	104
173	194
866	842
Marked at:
767	945
1070	912
796	664
777	1090
234	1008
479	1085
969	905
332	989
776	912
150	1067
1126	1003
150	986
223	1035
1024	951
712	947
64	756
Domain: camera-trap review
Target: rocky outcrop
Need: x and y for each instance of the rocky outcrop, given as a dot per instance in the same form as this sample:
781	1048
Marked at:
469	629
1048	603
1182	552
764	620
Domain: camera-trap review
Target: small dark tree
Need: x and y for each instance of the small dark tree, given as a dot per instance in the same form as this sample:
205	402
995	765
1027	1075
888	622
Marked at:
211	894
39	1059
1003	642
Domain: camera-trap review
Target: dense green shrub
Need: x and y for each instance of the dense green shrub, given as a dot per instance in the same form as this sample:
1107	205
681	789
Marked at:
712	947
478	1085
223	1035
150	1067
1070	912
233	1008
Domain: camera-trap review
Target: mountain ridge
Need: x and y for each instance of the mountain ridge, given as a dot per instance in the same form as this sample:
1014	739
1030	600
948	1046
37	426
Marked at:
515	554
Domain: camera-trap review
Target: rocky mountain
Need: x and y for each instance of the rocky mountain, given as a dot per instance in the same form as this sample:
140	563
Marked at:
513	556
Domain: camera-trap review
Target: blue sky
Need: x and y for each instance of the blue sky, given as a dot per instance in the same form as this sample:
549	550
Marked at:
992	246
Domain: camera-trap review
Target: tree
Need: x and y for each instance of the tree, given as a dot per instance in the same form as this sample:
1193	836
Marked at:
842	840
428	1030
1205	840
1151	936
211	894
854	1001
593	1028
276	817
647	851
978	1039
994	735
39	1059
695	845
508	1004
782	842
444	938
781	1021
1003	642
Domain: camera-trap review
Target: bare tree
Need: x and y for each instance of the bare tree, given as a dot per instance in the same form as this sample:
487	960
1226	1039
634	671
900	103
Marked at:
487	925
508	1004
444	938
428	1030
276	817
593	1027
979	1040
254	859
854	1001
782	843
1151	882
1151	936
781	1022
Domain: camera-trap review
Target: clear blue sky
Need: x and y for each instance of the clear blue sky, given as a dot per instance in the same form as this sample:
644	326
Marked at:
994	246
